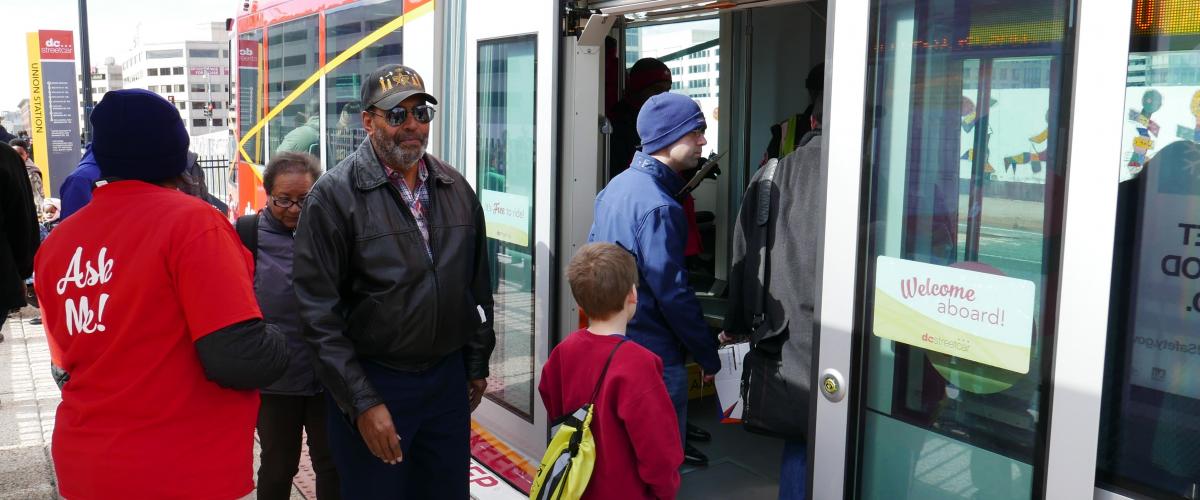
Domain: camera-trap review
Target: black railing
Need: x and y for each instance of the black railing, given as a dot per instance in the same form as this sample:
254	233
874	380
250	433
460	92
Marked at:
217	175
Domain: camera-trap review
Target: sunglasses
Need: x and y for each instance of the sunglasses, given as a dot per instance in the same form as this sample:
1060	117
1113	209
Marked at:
399	114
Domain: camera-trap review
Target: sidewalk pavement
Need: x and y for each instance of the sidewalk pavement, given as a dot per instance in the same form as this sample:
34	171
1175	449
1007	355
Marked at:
28	400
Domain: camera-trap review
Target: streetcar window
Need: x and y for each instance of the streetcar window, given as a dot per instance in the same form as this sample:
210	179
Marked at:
1150	425
343	119
203	53
164	54
292	57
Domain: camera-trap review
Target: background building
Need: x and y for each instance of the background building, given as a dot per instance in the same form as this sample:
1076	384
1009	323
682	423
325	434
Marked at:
105	77
193	74
17	121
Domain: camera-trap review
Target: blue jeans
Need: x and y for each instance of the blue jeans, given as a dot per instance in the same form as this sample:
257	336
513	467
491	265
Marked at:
429	410
676	379
793	471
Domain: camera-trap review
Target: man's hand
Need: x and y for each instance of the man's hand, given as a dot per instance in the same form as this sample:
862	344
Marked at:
379	433
475	390
724	338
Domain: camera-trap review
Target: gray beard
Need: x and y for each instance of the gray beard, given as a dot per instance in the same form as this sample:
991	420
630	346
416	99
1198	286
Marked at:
393	155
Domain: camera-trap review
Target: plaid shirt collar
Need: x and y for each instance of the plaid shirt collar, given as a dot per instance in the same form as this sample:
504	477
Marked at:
397	177
417	199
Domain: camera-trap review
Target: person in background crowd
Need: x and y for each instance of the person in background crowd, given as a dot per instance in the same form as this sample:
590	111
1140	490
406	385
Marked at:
293	406
5	135
35	174
18	232
152	321
787	135
647	78
76	189
197	184
639	211
391	270
51	209
787	323
638	451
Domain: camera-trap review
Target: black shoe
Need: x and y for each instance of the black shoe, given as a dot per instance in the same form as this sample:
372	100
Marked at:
692	456
695	433
38	321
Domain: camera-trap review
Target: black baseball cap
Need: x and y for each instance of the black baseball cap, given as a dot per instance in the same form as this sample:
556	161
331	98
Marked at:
385	87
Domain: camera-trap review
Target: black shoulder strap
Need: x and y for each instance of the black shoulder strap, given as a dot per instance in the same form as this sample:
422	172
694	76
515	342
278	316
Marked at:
604	372
762	215
247	230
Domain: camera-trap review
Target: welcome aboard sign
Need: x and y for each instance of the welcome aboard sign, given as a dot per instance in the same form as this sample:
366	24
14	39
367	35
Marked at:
977	316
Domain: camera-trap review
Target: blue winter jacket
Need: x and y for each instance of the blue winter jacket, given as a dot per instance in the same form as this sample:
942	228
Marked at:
76	190
639	212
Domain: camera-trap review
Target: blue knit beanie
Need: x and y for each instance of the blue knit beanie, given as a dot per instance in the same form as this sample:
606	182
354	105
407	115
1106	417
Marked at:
138	135
665	118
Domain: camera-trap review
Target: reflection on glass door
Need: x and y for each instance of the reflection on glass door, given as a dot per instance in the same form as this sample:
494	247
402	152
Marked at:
343	111
292	55
965	98
1150	425
506	102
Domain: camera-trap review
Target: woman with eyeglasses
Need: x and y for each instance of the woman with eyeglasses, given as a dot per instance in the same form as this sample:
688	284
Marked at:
293	404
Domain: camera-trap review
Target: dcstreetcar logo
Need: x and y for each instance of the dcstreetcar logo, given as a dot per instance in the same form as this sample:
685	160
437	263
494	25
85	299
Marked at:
57	44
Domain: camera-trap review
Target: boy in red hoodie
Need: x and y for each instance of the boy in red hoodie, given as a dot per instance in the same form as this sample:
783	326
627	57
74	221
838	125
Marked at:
638	452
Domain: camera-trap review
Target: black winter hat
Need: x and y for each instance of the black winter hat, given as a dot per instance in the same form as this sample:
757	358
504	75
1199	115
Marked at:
138	135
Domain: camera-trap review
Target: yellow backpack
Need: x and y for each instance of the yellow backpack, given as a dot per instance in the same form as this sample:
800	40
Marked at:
567	465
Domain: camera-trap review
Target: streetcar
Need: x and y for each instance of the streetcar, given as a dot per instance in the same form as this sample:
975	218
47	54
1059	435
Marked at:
1042	153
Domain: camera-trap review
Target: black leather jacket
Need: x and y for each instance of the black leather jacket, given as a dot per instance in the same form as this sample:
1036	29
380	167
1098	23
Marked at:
367	289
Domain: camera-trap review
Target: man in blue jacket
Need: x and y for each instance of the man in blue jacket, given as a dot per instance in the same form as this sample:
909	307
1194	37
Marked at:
639	211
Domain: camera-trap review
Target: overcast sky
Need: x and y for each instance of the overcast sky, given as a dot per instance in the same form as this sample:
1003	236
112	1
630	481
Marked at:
113	25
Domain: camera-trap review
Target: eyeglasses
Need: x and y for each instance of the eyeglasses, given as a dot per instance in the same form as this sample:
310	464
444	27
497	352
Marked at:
399	114
286	203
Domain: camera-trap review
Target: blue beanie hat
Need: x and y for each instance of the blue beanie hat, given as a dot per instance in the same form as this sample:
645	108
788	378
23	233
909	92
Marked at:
665	118
138	135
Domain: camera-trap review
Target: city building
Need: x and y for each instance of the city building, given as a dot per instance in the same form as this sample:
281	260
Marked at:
105	77
192	74
17	121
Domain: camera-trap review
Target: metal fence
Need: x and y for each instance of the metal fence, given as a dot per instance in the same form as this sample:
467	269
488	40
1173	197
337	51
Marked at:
219	177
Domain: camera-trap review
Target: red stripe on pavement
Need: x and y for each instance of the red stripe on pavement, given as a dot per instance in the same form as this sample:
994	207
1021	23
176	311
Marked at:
501	459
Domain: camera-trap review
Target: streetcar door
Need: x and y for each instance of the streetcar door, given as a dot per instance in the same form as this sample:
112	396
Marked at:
962	361
509	75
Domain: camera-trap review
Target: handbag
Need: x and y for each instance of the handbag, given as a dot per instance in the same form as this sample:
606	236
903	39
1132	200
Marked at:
765	389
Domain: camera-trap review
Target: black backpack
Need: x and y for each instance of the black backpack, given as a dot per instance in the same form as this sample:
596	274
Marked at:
247	230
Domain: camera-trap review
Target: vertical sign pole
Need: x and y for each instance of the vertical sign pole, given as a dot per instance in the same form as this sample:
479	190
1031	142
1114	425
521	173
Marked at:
85	60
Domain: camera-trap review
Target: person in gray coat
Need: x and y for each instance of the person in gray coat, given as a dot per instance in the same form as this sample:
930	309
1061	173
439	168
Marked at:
776	312
295	403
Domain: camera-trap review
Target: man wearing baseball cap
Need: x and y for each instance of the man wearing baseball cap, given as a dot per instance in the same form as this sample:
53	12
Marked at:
391	273
640	211
149	308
